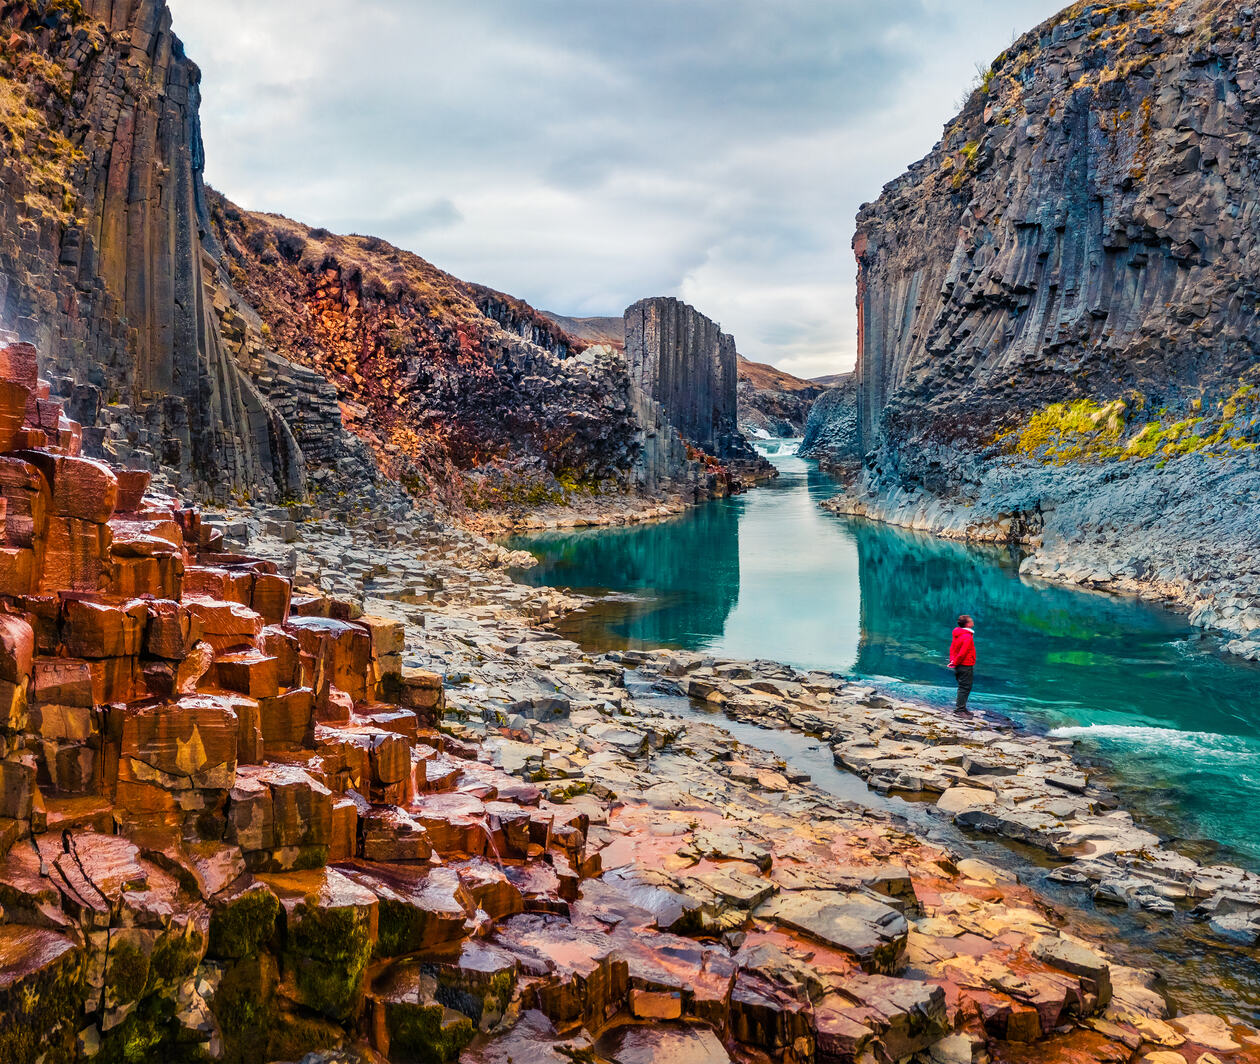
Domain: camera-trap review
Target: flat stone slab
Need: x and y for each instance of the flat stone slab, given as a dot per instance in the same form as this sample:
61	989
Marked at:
872	933
662	1044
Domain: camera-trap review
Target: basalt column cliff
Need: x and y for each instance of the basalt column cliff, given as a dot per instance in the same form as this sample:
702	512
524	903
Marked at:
1058	308
102	260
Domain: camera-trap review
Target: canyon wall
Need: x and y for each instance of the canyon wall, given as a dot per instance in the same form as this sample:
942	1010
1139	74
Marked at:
102	262
460	391
831	429
1065	287
247	356
1085	228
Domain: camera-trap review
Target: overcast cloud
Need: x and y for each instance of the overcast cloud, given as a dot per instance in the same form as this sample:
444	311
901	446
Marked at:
583	154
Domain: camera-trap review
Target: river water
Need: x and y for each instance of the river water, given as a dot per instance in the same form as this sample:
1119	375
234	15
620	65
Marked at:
771	575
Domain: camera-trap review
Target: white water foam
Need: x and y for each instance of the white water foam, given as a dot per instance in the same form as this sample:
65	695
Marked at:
777	447
1146	735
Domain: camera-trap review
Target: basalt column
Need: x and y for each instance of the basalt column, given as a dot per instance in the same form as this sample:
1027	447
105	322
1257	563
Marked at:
684	361
110	269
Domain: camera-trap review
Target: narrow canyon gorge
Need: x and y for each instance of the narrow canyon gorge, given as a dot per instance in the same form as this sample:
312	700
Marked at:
308	755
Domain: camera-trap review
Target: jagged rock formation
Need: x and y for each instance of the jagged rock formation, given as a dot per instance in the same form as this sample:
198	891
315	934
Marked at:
768	400
684	361
686	370
219	800
831	430
102	262
1084	232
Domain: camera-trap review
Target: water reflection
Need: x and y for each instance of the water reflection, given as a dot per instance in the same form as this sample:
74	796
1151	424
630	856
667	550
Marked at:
771	575
679	580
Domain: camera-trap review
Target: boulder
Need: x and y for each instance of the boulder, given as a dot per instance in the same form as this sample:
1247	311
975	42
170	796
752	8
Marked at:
226	626
17	649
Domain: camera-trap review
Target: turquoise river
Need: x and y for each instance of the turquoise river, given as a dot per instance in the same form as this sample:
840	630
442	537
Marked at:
771	575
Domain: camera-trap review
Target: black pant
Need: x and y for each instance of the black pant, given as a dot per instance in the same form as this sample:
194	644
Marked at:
964	675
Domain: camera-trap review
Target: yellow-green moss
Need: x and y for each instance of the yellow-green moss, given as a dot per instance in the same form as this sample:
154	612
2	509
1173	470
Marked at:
144	1036
1090	430
174	959
34	91
244	1008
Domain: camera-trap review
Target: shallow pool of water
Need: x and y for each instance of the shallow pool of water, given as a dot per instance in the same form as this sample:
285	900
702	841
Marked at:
771	575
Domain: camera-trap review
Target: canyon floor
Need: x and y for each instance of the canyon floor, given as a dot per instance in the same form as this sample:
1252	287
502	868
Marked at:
278	785
726	906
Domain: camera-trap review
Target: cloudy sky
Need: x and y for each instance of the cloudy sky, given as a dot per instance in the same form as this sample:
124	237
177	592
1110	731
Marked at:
583	154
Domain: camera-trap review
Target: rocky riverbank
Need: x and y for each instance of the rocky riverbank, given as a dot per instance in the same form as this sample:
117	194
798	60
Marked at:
776	912
274	787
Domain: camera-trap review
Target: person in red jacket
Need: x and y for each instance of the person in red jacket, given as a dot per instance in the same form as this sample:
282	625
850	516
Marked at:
962	657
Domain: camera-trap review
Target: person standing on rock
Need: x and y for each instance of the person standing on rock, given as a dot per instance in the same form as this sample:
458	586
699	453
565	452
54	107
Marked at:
962	657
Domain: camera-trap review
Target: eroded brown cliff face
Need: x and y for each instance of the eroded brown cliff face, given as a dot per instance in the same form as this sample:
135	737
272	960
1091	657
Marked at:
461	391
250	356
1085	228
102	262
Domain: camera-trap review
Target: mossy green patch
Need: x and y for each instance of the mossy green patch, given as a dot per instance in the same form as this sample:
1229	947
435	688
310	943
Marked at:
244	924
174	959
145	1036
126	973
423	1034
400	928
291	1036
244	1007
486	997
1090	430
326	952
38	1012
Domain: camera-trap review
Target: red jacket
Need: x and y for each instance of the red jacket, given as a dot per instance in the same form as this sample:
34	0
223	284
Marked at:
962	649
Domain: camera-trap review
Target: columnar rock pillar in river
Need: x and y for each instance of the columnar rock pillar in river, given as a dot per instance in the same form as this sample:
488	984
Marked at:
684	361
